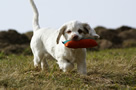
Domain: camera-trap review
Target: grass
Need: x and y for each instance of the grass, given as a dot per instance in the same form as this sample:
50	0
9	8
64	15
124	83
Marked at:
107	69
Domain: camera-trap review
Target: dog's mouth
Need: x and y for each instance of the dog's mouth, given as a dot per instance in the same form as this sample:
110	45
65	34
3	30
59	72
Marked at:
75	39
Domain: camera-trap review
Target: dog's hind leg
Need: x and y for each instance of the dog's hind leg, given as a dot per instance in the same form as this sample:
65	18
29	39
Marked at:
37	59
44	64
40	61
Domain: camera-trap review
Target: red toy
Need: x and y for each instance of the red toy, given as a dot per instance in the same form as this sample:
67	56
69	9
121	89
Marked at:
83	43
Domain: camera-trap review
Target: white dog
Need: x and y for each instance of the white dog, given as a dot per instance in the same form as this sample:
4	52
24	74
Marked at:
47	42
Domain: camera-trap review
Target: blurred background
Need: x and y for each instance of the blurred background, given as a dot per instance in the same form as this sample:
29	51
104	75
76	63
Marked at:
113	20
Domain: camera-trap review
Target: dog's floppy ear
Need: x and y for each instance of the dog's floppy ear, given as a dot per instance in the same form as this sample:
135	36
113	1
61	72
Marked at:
86	27
61	32
89	30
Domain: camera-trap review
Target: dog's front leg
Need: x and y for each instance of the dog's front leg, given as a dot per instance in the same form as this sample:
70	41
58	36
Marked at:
81	67
65	65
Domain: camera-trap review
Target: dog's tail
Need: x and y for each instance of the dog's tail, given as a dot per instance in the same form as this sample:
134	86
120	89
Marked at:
36	16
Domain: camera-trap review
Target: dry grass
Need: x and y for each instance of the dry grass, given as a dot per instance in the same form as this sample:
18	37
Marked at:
107	69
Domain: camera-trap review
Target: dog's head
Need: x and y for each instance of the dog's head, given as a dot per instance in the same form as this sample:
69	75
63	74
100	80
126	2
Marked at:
75	30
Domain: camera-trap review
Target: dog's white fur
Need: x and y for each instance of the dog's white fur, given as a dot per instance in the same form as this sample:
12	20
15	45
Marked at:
48	42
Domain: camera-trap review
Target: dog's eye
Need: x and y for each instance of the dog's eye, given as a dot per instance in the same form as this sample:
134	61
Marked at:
68	31
80	31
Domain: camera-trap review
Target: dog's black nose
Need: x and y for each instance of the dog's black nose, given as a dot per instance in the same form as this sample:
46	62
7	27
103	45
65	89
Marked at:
75	37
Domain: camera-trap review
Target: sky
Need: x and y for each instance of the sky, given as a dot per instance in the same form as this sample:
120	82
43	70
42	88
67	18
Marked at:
17	14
